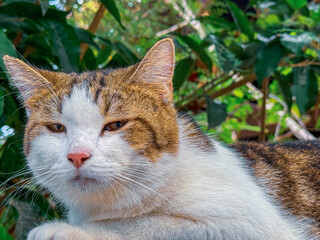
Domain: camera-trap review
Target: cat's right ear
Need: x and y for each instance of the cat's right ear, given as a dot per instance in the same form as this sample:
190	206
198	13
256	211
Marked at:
25	78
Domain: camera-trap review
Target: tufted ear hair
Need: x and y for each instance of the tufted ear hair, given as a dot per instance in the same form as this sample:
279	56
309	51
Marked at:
25	78
157	68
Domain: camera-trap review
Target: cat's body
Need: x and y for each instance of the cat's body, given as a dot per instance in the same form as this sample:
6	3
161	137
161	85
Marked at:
110	146
291	173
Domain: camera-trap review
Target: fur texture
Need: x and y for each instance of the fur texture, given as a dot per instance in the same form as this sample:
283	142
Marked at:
156	177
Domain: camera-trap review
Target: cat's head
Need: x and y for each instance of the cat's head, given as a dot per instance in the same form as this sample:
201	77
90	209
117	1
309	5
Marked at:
85	131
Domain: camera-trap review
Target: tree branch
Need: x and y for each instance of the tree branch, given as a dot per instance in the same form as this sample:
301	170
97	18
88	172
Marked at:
221	92
93	28
187	14
204	87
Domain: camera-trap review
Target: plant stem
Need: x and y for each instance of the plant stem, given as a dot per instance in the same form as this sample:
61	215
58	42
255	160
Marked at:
93	28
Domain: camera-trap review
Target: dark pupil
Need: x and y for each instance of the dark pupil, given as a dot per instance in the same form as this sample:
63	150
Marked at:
59	126
118	124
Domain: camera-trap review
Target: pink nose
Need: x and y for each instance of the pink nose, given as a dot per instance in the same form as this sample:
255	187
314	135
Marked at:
78	158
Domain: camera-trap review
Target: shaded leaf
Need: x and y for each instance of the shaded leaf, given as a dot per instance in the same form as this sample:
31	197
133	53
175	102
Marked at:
297	4
217	22
44	4
9	216
125	53
86	37
41	42
284	84
241	20
305	88
1	101
104	55
198	48
280	8
226	59
30	10
117	61
297	42
112	8
65	45
12	157
14	113
41	203
182	71
268	58
90	60
6	48
216	112
4	235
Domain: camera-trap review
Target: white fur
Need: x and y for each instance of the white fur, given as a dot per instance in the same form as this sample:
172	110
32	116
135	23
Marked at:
191	195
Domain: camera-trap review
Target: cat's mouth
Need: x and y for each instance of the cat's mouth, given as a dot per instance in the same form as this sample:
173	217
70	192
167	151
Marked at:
84	182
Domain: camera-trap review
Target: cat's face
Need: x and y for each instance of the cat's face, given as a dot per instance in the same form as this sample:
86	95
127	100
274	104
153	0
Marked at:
87	131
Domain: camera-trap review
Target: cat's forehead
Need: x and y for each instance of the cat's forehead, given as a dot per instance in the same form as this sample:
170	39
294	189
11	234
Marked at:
79	109
96	86
63	84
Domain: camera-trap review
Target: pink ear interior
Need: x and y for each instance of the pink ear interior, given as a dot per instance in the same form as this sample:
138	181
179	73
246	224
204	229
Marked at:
25	77
157	67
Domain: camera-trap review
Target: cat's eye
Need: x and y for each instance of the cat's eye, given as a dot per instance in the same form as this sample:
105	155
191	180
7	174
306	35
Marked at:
56	128
113	126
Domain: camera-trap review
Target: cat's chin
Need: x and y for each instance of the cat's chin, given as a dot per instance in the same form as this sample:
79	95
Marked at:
85	184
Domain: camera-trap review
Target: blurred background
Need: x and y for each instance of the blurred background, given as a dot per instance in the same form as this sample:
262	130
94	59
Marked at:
245	70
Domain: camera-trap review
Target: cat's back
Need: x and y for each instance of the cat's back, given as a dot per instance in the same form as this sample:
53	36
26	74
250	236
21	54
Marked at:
291	172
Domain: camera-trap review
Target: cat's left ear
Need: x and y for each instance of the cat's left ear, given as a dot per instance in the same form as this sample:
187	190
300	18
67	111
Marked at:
157	68
26	78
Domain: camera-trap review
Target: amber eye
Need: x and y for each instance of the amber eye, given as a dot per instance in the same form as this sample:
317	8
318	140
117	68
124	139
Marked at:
114	126
56	128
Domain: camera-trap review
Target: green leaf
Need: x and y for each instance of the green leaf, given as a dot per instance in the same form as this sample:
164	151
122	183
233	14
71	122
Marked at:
30	10
1	101
12	157
305	88
297	4
217	22
216	112
284	83
280	8
104	55
314	10
295	43
182	71
125	53
90	60
65	45
11	1
198	48
112	8
241	20
14	113
9	215
41	42
226	59
86	37
268	58
4	235
117	61
44	4
6	48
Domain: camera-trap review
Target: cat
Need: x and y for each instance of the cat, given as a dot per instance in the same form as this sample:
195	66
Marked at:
112	148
